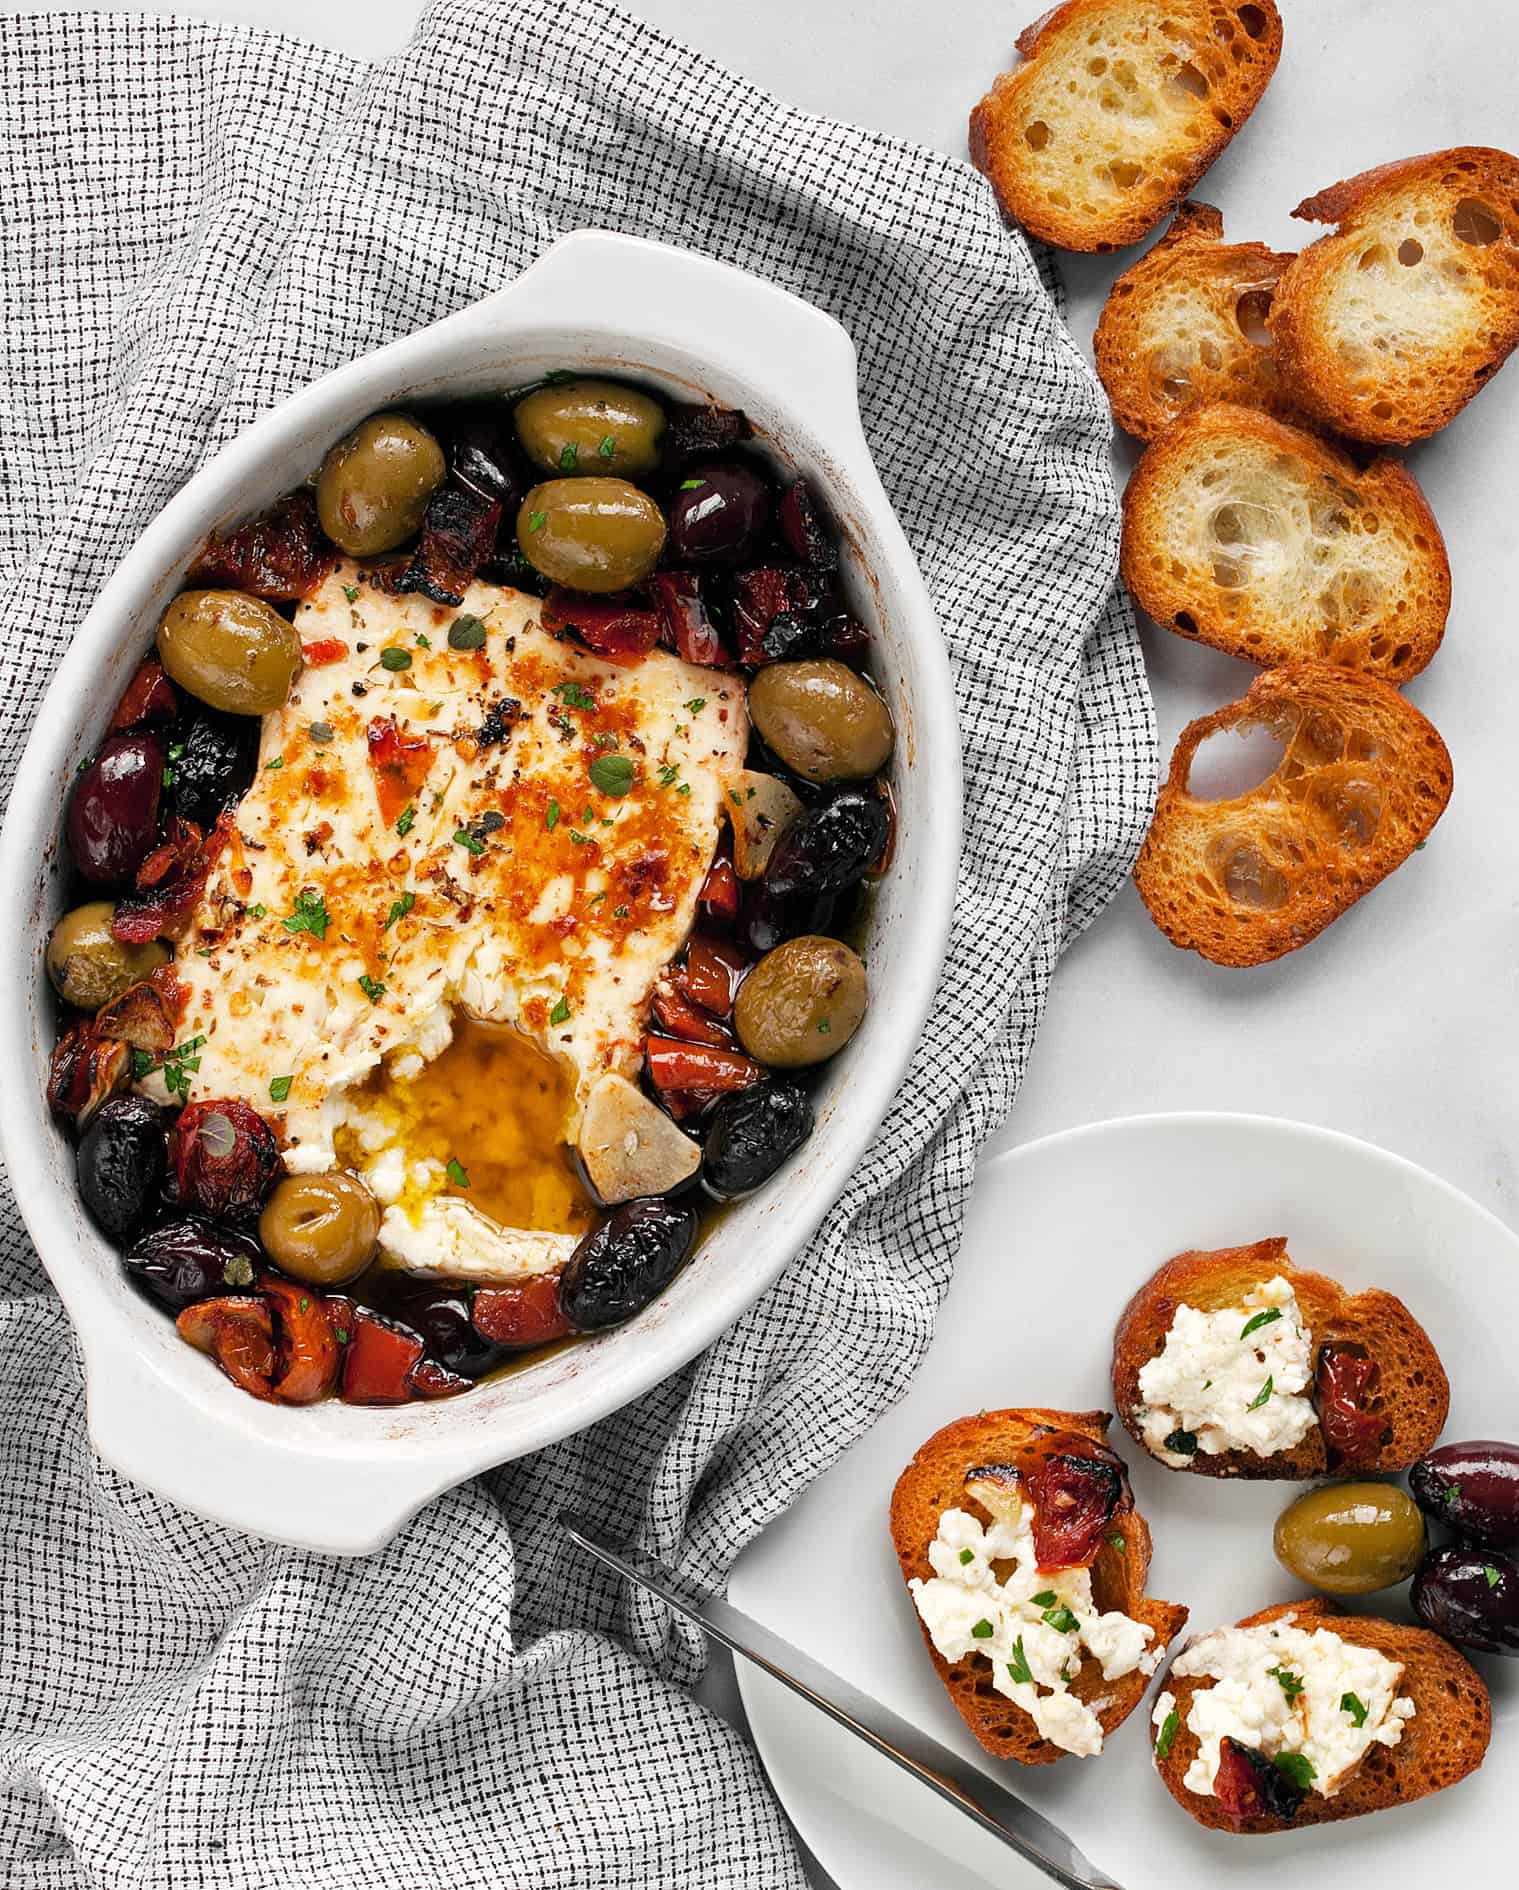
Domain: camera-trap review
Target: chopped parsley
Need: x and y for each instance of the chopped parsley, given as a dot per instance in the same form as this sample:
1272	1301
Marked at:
982	1631
608	446
394	657
277	762
1289	1682
372	988
536	521
1182	1443
967	1556
684	788
560	1013
310	915
1046	1598
613	774
1116	1540
1266	1318
472	843
257	912
573	696
351	592
691	485
177	1066
551	818
569	453
1494	1575
279	1087
1262	1395
466	633
1018	1667
423	643
669	775
1170	1726
1296	1766
405	823
697	704
1060	1619
1355	1706
824	1027
619	912
399	909
455	1172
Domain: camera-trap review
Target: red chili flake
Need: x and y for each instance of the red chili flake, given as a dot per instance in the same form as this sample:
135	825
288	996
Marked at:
399	764
324	650
148	697
282	554
1343	1379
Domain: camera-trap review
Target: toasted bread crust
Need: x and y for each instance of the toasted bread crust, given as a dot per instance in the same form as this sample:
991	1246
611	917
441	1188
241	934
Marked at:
1411	1395
1444	1742
1362	343
934	1482
1185	324
1362	782
1195	68
1323	561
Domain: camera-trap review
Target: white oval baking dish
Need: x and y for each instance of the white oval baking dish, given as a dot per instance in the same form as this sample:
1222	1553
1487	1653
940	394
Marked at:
339	1478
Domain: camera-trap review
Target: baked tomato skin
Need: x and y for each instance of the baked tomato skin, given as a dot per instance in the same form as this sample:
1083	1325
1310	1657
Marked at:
1249	1786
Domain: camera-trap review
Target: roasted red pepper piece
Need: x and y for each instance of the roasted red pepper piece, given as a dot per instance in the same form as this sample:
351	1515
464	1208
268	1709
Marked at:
238	1332
399	764
282	554
720	891
1249	1786
688	628
676	1014
307	1350
712	974
148	697
378	1359
614	626
676	1065
323	650
429	1379
522	1315
1344	1378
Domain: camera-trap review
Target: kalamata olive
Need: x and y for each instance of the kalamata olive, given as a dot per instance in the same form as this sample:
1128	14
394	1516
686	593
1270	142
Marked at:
190	1259
767	920
320	1229
823	720
720	513
750	1134
88	967
1471	1596
622	1264
122	1158
112	820
591	426
212	761
374	485
595	534
225	1159
802	526
829	848
1351	1538
1472	1488
801	1003
440	1317
233	651
483	451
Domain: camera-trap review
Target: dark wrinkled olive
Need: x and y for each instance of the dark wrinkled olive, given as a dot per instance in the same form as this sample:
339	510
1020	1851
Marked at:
591	426
320	1229
804	529
212	761
228	649
801	1003
824	721
829	848
622	1264
1471	1596
719	513
112	820
190	1259
1351	1538
750	1134
374	485
594	535
767	920
1472	1488
483	451
122	1158
88	967
440	1317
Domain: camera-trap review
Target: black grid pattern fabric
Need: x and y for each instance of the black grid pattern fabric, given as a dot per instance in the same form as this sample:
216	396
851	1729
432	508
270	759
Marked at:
197	220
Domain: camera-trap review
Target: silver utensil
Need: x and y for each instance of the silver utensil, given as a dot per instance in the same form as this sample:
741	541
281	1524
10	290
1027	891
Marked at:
1018	1825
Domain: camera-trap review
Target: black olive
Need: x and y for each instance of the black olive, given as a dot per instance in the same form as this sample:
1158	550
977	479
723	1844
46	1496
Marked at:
483	451
767	920
622	1264
440	1317
750	1134
191	1259
122	1158
212	760
719	513
112	815
830	848
1471	1596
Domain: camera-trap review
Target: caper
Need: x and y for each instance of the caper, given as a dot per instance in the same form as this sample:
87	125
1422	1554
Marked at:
591	534
233	651
824	722
801	1003
321	1229
374	485
1351	1538
590	426
89	967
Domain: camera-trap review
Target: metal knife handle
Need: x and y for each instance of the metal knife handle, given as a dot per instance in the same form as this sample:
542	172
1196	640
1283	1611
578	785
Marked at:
966	1786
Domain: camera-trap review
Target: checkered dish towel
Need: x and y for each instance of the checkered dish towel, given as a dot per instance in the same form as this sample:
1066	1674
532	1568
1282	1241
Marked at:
198	219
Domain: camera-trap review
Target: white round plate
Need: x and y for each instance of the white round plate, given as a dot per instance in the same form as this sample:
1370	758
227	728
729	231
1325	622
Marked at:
1058	1236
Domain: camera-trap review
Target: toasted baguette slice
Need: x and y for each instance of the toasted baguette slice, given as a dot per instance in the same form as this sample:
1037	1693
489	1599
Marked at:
1268	542
1410	1392
1186	323
935	1481
1119	108
1443	1743
1361	783
1386	329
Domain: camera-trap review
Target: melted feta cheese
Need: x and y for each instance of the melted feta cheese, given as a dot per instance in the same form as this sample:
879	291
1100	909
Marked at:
1235	1379
1031	1626
1285	1689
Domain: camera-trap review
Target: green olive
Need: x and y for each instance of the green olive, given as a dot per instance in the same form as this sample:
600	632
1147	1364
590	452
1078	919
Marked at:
233	651
1351	1538
88	966
590	426
321	1229
591	534
374	485
801	1003
824	721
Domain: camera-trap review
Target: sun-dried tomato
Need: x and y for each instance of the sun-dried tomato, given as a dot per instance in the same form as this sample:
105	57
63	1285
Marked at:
1075	1487
804	529
225	1159
698	1066
687	626
522	1315
238	1332
1344	1378
399	764
282	554
1249	1786
458	535
614	626
148	697
770	591
169	884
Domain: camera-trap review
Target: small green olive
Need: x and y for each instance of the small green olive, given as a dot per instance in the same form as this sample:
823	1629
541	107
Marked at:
825	722
591	534
88	967
321	1229
233	651
1351	1538
374	485
590	426
801	1003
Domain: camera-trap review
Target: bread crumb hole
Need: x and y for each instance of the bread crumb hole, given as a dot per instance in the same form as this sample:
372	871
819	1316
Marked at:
1036	134
1186	623
1352	810
1097	67
1382	410
1248	878
1124	173
1210	355
1253	19
1474	223
1235	761
1373	258
1187	78
1410	252
1250	313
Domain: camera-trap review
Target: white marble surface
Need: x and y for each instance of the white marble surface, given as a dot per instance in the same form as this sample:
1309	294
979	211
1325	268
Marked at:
1402	1023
